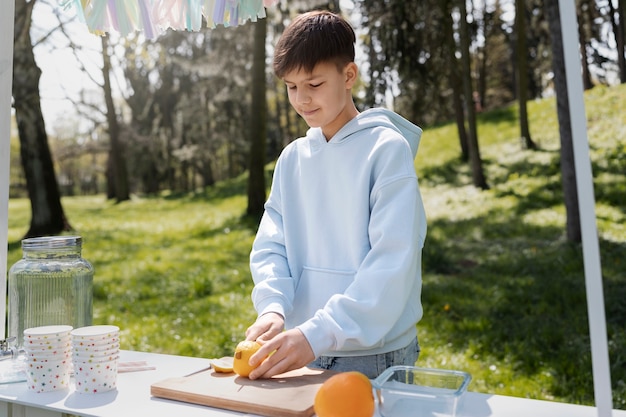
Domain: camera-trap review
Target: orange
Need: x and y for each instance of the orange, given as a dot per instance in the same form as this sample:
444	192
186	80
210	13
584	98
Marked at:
243	351
347	394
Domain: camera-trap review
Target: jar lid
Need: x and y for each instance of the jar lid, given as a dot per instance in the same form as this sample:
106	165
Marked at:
51	242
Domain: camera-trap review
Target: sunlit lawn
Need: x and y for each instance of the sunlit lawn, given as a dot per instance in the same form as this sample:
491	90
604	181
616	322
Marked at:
504	293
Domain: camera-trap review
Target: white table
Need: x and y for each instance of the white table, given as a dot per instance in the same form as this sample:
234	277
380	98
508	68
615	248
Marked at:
132	398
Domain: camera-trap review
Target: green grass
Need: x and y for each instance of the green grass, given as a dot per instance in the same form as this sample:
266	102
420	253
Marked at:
171	272
504	292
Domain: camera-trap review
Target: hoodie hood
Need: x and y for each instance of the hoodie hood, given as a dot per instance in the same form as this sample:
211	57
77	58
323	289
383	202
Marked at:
377	117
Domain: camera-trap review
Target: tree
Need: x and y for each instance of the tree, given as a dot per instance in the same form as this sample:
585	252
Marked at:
419	57
188	93
455	80
618	24
478	175
492	55
48	217
258	124
407	58
621	50
522	73
117	176
585	16
568	170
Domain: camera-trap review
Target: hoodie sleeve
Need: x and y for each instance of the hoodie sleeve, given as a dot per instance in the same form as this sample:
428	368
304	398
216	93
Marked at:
274	287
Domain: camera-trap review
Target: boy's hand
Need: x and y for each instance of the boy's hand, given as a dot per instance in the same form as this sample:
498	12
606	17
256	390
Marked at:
291	351
266	327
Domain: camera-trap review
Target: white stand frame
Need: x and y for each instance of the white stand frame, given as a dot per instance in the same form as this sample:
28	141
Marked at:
584	180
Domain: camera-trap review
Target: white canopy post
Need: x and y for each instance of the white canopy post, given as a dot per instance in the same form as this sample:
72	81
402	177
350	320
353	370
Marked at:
586	203
6	78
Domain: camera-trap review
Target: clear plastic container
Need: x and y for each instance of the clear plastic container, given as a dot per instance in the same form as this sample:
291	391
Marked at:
51	285
413	391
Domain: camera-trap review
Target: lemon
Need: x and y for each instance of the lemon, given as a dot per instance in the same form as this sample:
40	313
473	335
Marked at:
222	365
243	351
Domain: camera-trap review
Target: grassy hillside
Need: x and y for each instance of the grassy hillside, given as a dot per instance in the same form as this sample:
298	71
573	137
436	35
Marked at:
504	293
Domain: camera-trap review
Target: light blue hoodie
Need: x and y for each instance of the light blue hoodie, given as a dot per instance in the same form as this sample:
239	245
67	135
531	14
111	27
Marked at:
338	250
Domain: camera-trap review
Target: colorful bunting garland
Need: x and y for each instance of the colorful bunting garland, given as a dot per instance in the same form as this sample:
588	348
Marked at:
153	17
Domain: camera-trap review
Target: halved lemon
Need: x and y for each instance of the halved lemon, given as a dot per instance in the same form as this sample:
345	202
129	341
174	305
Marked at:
223	365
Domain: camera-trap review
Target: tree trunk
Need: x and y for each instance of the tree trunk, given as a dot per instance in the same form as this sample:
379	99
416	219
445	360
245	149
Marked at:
622	40
459	114
116	166
48	217
568	169
480	98
522	74
455	81
258	124
478	176
584	21
205	167
619	31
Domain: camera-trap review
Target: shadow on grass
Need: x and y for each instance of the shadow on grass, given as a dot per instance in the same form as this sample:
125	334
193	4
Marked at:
611	192
15	245
454	172
516	292
505	115
523	301
224	189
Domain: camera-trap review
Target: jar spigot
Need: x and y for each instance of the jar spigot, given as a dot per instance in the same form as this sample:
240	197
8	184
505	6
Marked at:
8	350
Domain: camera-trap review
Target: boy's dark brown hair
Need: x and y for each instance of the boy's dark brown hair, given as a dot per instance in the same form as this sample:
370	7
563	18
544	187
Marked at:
311	38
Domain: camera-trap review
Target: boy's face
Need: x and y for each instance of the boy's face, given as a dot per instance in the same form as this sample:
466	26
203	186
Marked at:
323	97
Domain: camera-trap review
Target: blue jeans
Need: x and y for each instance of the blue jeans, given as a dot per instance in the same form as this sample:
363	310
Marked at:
370	365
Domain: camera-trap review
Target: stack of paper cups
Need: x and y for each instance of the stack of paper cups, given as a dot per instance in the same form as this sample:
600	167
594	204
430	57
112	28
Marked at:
95	352
48	358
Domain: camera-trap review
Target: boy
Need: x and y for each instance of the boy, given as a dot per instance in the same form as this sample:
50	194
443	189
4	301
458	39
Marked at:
337	257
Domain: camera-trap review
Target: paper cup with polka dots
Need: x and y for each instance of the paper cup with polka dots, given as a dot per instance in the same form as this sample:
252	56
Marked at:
48	376
47	333
95	335
95	353
47	338
48	357
95	377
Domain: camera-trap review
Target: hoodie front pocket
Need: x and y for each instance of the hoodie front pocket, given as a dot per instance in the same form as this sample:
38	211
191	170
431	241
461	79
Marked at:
315	287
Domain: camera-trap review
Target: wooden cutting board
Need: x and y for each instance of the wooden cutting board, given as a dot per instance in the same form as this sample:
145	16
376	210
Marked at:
287	395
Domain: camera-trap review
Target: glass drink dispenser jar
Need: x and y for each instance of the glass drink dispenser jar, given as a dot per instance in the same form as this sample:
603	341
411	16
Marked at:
51	285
